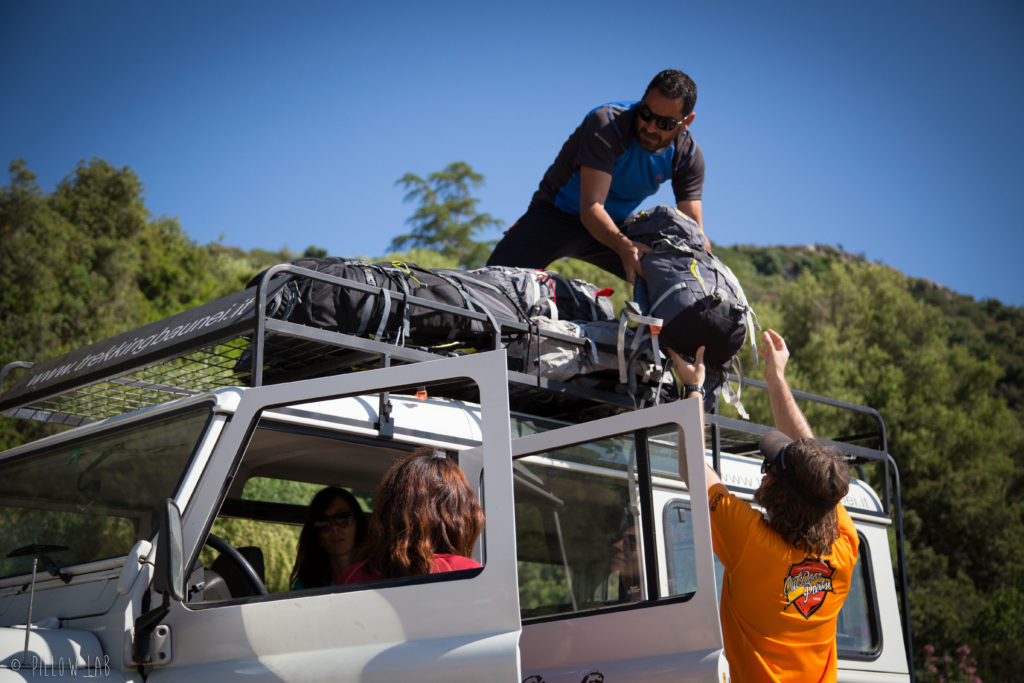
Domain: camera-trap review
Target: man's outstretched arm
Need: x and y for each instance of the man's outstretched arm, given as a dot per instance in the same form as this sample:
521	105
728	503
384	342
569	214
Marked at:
594	186
788	417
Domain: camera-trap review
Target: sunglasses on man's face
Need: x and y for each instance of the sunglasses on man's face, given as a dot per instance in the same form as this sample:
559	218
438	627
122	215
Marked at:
662	122
339	519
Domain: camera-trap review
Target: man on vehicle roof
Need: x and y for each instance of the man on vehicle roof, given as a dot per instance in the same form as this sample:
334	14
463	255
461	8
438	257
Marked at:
787	576
616	158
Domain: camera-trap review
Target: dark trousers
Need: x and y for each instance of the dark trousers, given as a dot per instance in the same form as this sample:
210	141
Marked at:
544	234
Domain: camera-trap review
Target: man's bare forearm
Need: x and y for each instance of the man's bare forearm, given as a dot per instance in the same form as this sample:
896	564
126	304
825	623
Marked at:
788	417
602	228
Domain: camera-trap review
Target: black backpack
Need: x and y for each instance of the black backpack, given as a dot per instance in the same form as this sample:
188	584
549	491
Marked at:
384	316
696	295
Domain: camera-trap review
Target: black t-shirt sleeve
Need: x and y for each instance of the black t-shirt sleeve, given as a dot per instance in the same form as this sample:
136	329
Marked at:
688	177
600	141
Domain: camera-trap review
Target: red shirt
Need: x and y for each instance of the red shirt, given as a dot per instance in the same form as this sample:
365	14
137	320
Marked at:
442	562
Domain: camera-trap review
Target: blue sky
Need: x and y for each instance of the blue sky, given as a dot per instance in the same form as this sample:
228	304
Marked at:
891	129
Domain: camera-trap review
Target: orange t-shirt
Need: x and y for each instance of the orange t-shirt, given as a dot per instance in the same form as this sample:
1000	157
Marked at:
779	605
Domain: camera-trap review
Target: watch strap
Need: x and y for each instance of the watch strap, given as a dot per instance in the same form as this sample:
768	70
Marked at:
690	388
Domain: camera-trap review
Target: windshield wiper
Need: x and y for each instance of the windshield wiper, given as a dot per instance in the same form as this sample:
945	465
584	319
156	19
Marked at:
39	551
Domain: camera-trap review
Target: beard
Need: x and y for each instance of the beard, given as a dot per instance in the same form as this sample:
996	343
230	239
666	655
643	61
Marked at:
649	142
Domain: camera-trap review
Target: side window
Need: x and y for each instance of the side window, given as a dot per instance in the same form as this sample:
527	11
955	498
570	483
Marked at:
264	526
577	528
857	630
682	573
260	530
296	516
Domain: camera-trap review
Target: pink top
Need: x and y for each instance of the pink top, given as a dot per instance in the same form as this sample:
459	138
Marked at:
442	562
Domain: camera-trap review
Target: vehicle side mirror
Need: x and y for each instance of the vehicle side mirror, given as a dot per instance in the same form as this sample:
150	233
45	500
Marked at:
169	576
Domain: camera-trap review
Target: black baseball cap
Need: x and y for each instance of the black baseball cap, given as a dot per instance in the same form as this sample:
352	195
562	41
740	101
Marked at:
773	444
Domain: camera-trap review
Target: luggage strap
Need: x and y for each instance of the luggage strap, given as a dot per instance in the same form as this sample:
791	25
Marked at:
631	312
366	309
748	312
536	279
568	287
472	302
667	293
287	298
402	269
733	397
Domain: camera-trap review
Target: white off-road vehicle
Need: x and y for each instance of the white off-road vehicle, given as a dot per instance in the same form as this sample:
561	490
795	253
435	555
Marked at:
152	541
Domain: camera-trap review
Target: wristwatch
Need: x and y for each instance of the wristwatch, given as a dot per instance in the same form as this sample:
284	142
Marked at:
690	388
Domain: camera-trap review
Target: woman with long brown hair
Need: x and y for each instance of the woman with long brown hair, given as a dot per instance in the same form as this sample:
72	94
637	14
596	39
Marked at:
331	538
425	520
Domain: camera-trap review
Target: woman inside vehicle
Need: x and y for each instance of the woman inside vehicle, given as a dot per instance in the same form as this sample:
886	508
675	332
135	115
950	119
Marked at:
331	540
425	520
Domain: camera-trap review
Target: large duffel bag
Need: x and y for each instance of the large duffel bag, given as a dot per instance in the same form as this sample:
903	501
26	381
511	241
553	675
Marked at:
547	293
383	316
500	293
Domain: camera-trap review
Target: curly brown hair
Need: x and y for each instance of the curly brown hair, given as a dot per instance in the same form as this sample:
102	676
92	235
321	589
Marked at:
423	506
821	473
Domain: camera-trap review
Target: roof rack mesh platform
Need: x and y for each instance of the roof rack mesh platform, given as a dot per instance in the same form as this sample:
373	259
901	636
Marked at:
191	373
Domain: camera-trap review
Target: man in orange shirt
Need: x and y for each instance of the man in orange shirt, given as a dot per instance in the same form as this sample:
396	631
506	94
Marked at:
786	576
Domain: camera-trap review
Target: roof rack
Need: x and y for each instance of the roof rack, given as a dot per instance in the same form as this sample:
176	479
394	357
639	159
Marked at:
226	343
212	346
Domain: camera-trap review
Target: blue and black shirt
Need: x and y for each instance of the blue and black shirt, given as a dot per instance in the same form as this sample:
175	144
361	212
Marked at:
606	141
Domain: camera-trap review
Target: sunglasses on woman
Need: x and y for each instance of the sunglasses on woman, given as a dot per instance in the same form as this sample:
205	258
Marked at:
629	542
339	519
662	122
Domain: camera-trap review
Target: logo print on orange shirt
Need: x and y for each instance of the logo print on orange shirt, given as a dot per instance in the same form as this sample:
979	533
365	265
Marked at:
807	584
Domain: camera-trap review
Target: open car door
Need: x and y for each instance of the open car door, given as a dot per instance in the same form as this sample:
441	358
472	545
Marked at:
460	626
616	570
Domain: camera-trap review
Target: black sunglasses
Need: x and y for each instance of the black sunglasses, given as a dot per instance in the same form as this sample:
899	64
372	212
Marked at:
663	122
340	519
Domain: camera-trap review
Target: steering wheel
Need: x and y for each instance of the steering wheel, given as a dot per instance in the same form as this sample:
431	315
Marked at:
225	548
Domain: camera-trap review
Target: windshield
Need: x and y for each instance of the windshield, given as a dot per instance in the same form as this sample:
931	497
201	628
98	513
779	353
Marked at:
93	498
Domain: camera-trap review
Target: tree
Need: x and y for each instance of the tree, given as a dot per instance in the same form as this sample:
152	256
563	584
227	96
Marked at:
447	219
88	261
858	333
